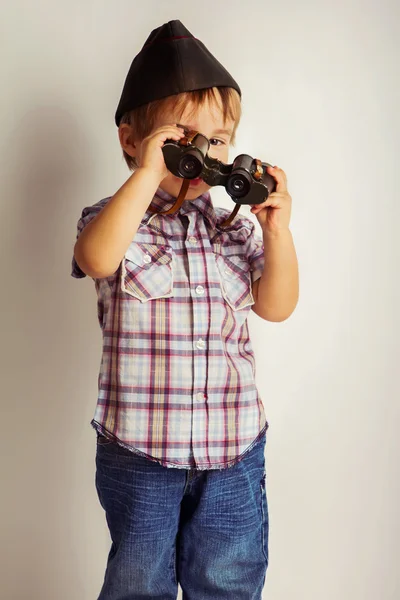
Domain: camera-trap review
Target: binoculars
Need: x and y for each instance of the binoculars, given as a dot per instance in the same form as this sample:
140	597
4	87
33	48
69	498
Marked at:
246	180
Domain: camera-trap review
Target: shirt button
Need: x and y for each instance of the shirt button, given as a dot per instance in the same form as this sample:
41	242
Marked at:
193	240
200	396
199	289
147	258
227	271
200	344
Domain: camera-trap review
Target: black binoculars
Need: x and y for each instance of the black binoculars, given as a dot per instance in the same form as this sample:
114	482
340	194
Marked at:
246	180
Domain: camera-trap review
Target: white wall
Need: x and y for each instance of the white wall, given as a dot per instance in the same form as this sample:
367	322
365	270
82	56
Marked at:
321	99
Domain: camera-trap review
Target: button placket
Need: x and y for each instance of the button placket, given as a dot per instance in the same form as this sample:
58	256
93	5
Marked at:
199	343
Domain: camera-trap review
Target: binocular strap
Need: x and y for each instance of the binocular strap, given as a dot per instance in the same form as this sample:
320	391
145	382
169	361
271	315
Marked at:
233	214
180	200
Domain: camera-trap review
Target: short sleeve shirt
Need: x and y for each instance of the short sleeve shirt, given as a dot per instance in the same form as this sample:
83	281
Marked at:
177	376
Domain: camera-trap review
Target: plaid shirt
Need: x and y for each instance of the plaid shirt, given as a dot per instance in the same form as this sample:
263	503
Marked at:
176	381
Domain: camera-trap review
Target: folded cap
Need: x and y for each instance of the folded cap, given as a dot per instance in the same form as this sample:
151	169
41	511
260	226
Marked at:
171	61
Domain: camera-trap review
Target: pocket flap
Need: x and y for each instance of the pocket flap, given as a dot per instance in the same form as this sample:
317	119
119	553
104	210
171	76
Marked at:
145	255
233	266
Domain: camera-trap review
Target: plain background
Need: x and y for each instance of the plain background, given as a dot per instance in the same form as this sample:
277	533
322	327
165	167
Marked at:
321	99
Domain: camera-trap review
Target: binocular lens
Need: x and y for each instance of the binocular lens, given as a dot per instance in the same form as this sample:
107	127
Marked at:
190	166
238	185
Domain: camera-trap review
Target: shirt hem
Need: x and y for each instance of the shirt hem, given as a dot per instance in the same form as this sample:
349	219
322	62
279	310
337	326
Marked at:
164	463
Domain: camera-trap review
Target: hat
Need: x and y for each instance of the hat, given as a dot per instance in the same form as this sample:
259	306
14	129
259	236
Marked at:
171	61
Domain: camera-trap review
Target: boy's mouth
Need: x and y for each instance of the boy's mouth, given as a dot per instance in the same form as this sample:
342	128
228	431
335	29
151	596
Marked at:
196	181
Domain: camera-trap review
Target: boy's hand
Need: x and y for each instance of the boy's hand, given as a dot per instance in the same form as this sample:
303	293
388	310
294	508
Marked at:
274	214
150	155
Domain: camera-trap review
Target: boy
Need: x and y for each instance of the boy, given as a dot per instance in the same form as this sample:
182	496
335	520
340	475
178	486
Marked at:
181	430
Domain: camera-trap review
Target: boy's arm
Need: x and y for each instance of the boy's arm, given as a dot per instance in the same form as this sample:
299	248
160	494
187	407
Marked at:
276	292
103	242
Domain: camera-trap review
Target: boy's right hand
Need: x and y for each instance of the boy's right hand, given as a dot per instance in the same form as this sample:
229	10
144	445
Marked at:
150	155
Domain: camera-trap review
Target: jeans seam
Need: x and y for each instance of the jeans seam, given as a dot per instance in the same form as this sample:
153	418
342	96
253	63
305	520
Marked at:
264	516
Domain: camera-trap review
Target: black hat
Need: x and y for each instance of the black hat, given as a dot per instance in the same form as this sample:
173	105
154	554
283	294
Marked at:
171	61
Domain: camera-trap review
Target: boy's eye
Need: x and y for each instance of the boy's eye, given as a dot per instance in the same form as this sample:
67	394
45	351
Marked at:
215	140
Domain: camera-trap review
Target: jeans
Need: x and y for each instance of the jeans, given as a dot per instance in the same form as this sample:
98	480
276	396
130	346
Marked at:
206	530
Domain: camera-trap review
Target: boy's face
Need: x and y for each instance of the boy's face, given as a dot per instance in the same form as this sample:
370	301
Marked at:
208	120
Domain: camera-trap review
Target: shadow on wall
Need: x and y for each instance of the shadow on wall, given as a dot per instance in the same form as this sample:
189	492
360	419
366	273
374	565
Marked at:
49	170
50	156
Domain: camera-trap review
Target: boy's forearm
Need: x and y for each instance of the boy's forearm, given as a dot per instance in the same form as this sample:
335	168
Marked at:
104	241
278	290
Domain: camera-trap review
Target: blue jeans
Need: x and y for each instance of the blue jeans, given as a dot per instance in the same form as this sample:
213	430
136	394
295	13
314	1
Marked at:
206	530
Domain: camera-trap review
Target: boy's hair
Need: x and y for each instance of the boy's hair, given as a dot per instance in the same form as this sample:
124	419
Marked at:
143	118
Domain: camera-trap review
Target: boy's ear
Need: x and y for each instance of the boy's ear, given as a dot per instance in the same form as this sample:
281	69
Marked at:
126	140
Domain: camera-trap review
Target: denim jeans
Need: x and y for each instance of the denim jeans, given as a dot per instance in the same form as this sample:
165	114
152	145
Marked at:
206	530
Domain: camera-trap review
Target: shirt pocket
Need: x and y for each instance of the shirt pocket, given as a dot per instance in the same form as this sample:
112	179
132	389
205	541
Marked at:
147	271
235	277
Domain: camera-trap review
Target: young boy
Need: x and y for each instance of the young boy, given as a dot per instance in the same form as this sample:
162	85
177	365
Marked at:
181	429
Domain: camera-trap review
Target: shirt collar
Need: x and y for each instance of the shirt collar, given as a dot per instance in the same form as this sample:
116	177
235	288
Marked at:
163	200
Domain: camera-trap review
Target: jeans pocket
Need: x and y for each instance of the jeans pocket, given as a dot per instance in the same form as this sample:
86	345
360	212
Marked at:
102	440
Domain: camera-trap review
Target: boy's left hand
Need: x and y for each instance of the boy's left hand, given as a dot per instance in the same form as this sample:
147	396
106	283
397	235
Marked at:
274	214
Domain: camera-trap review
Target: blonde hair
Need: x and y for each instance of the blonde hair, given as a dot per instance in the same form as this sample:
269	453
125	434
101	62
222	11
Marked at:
143	118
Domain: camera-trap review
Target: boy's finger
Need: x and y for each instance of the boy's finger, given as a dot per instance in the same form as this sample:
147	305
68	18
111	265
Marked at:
280	177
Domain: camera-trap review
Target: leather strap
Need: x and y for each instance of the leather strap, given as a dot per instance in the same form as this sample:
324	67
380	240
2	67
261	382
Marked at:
179	201
233	214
